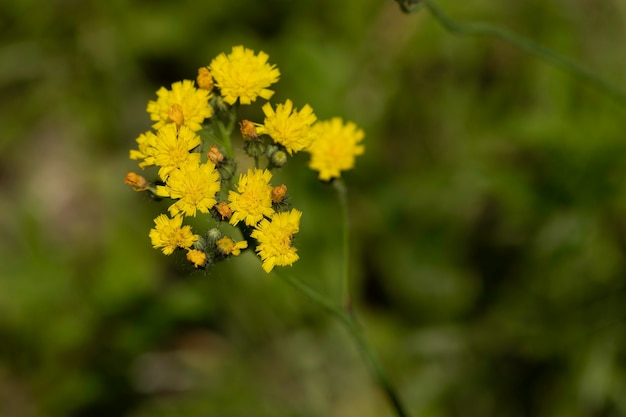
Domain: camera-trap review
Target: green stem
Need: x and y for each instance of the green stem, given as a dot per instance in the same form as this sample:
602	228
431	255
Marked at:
562	62
342	196
348	320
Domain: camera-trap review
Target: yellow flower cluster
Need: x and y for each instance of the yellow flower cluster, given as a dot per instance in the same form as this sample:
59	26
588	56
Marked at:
190	148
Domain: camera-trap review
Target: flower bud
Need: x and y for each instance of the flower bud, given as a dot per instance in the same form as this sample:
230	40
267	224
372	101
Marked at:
248	130
204	79
215	155
213	235
223	209
279	159
138	182
278	193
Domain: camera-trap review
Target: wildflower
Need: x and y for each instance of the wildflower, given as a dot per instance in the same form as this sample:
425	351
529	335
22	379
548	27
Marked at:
196	257
138	182
193	185
229	247
253	199
183	105
169	234
335	147
145	143
288	127
204	79
172	146
243	75
275	237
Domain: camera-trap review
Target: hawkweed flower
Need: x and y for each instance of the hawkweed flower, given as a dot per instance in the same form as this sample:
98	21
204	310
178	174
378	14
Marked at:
275	239
183	105
287	126
169	234
227	246
253	198
244	76
145	145
194	187
204	79
171	148
335	147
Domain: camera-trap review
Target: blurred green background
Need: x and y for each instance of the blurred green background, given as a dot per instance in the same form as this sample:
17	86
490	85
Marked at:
488	216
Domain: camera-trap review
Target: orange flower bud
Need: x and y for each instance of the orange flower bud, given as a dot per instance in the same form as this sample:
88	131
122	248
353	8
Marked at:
138	182
248	131
278	193
204	79
215	155
223	209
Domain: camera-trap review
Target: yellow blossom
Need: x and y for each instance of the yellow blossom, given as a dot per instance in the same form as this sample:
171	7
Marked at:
169	234
288	127
171	148
243	75
183	105
193	185
335	147
196	257
145	143
253	199
229	247
275	238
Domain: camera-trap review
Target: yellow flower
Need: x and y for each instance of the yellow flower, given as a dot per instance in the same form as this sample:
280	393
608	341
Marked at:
254	199
335	147
196	257
169	234
243	75
229	247
183	105
275	238
145	143
287	126
171	148
193	185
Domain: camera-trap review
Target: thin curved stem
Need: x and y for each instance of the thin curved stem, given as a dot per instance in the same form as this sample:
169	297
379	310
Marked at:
562	62
348	320
342	195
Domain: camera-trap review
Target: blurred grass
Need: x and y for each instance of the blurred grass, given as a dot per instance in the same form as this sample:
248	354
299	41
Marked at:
489	237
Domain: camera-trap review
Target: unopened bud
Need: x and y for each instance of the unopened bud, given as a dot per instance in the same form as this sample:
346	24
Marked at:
215	155
223	209
278	193
248	130
204	79
138	182
279	159
213	235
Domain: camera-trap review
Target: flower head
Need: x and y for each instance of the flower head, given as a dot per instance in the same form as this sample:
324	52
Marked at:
287	126
275	238
171	146
183	105
145	142
243	75
335	147
229	247
169	234
193	185
253	199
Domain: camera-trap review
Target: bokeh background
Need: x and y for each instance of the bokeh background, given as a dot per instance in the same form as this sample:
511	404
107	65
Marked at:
488	216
